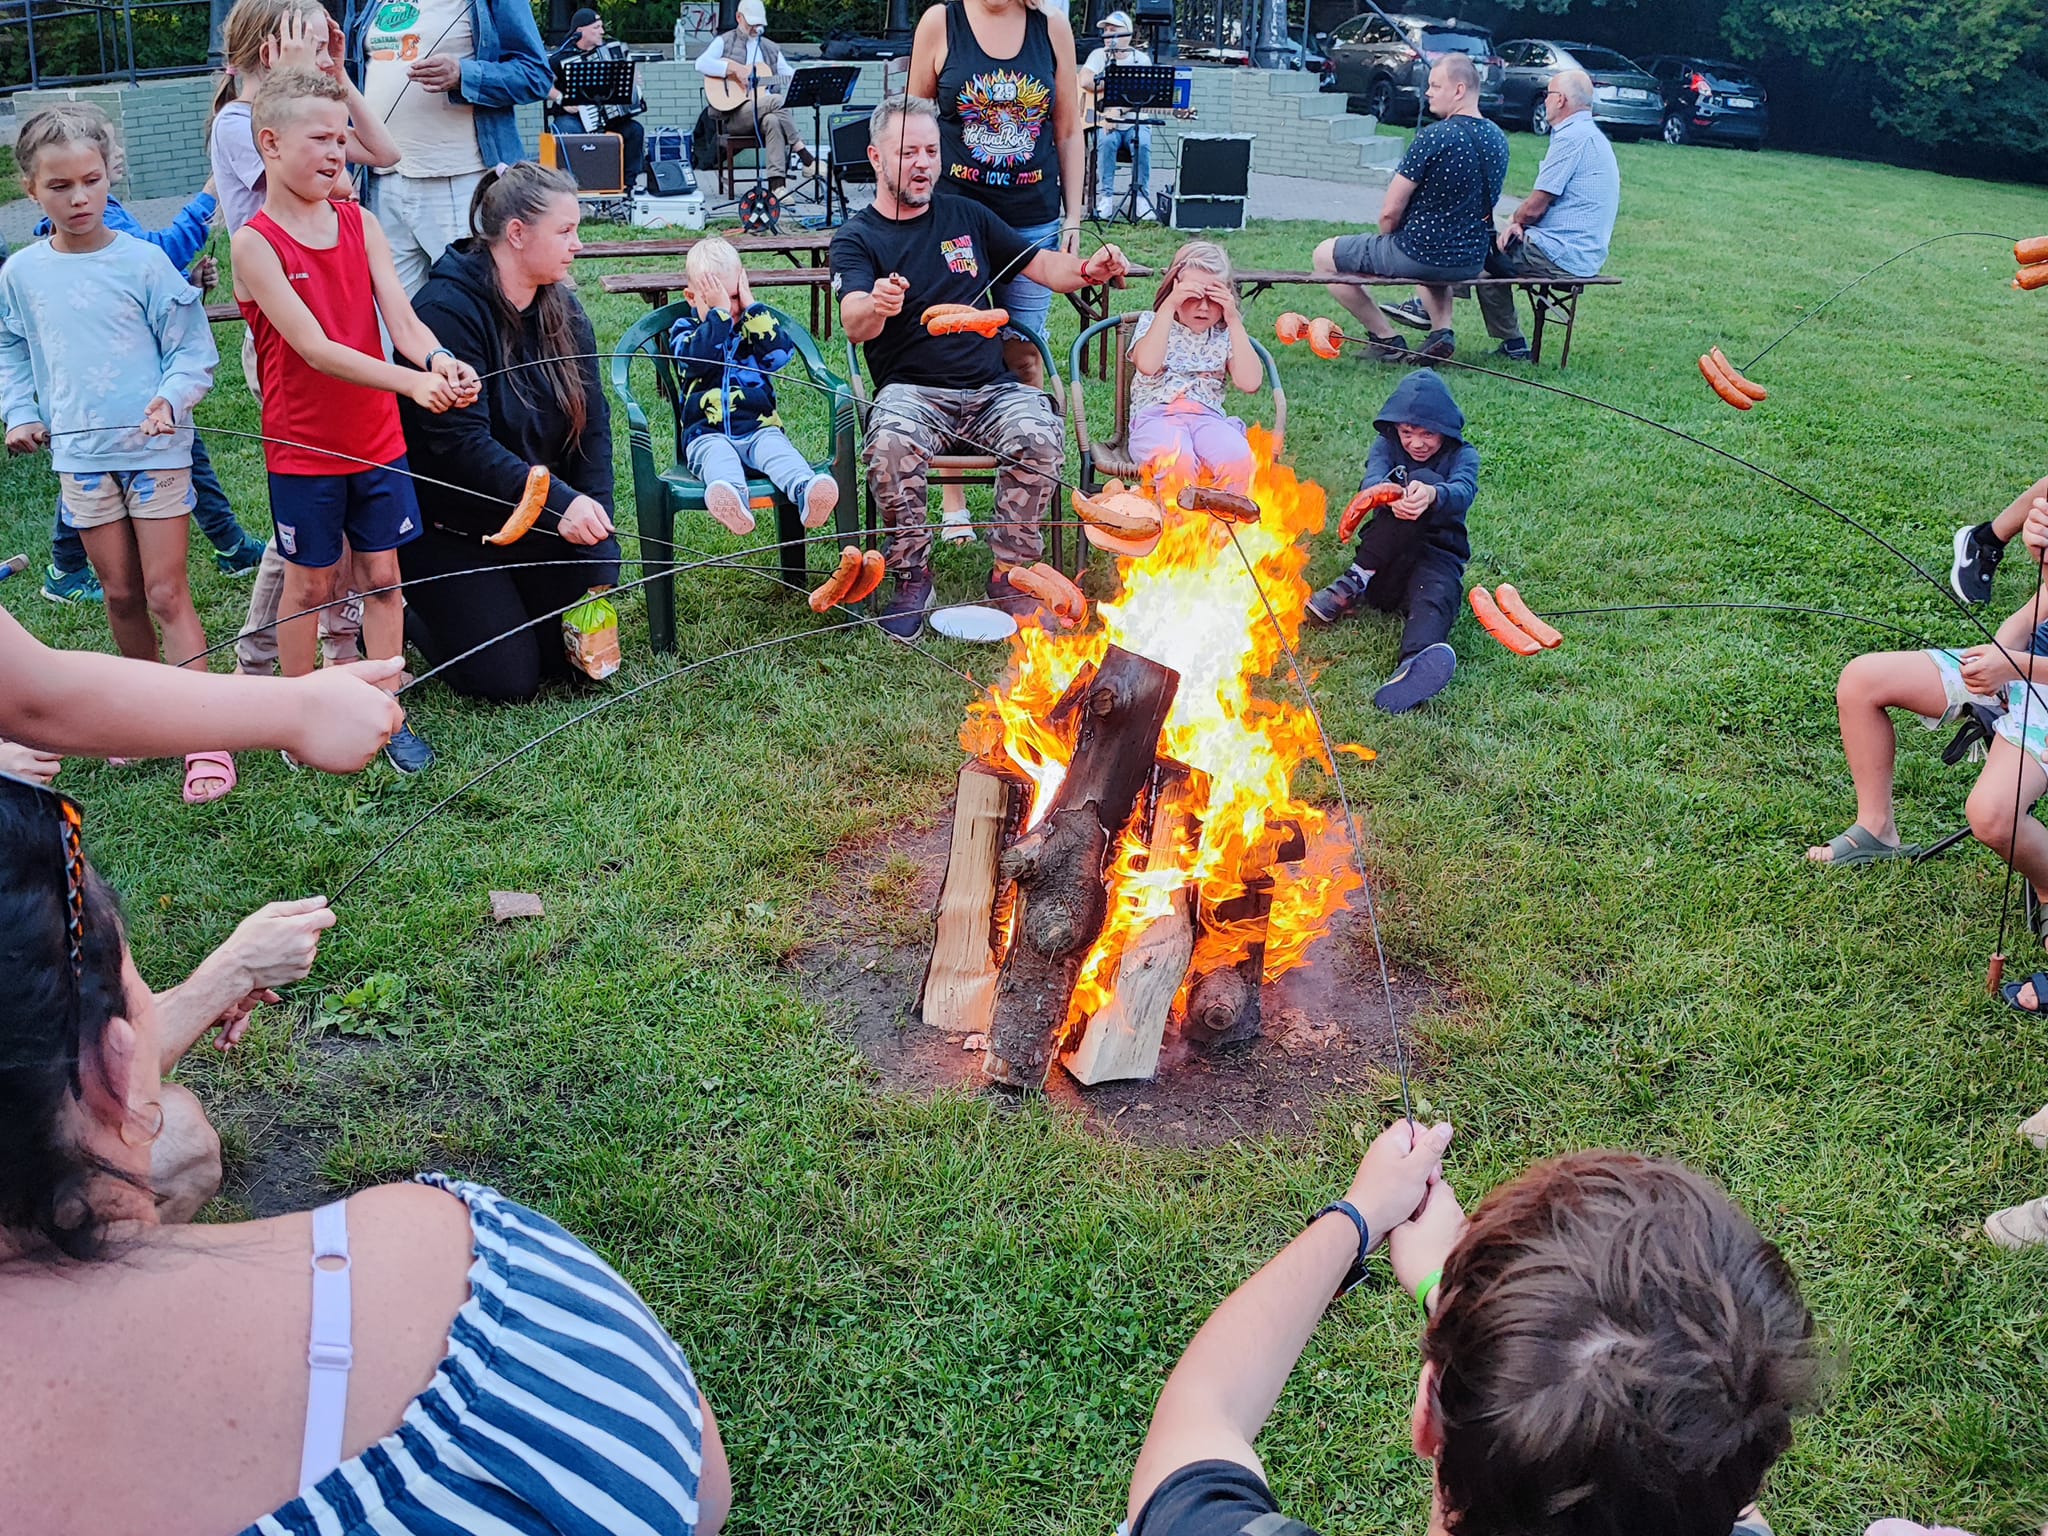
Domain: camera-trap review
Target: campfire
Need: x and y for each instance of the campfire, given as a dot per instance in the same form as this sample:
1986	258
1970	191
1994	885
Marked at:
1127	850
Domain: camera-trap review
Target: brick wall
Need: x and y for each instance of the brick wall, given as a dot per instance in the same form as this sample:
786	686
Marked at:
162	123
161	126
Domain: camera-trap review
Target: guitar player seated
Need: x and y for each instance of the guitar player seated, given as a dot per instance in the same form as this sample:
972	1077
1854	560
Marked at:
745	80
586	40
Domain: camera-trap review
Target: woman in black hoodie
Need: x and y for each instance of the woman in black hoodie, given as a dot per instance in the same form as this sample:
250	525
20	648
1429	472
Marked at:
498	301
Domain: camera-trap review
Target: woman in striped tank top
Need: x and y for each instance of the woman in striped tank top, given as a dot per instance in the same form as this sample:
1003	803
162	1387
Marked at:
451	1362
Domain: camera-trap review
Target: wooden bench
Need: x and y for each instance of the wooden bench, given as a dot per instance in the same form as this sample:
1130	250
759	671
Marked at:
1552	298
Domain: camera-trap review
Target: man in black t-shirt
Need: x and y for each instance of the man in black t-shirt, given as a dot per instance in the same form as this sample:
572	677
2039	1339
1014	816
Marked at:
1610	1345
939	394
1436	223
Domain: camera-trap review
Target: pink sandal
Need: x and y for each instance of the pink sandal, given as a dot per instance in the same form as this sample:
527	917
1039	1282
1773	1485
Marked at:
205	767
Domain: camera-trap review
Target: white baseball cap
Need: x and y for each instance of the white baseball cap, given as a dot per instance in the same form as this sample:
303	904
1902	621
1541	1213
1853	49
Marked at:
753	13
1120	20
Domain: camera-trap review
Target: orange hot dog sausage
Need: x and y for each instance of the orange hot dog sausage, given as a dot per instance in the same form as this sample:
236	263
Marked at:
1723	385
1323	339
833	590
1052	589
1216	501
1363	503
872	569
1519	614
1754	391
527	513
985	322
1290	327
937	310
2032	277
1497	624
2028	252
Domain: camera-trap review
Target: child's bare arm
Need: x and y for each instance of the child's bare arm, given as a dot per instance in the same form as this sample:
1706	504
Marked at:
410	335
1246	371
369	141
261	274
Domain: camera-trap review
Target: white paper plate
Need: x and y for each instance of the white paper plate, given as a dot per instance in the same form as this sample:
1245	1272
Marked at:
986	625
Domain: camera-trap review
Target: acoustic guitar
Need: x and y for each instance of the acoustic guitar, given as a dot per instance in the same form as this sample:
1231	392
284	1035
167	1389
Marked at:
726	94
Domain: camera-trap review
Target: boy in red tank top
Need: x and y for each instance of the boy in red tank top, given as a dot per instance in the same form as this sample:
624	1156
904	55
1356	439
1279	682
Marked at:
312	275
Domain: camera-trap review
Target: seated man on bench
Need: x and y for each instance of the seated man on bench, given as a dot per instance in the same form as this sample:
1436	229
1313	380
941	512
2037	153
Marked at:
1563	228
1436	223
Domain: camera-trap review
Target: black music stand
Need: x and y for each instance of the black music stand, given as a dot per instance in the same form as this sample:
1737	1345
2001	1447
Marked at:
1134	88
597	83
819	87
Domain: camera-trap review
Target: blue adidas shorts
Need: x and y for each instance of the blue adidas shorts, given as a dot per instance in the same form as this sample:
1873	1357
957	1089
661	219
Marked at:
374	508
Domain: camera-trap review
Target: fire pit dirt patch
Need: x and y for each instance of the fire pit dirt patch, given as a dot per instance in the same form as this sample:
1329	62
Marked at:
1324	1029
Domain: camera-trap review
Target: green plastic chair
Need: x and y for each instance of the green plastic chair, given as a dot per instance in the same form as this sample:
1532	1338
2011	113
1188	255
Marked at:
972	468
1108	457
659	495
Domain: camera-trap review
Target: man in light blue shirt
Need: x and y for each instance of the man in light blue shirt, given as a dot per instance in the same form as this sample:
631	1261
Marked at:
1562	228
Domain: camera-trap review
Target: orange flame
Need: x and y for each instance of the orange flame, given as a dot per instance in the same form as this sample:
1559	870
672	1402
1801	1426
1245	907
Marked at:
1192	606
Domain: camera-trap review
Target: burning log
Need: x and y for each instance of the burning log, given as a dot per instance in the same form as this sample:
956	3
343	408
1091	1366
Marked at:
1230	959
1059	865
1122	1039
959	991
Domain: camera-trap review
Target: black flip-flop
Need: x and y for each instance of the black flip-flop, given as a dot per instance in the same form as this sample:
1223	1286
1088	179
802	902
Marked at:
2011	993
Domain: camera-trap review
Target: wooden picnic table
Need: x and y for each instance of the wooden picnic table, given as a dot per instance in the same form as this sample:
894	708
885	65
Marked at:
1552	298
807	252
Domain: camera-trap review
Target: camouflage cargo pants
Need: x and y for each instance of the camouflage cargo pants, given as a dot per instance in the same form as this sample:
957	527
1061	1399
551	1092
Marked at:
910	424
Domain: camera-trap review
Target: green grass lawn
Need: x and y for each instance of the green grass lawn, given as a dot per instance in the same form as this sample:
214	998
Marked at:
953	1316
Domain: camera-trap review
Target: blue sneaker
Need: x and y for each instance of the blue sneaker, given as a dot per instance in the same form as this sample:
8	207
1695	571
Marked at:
72	586
1417	680
1341	598
902	616
408	753
242	561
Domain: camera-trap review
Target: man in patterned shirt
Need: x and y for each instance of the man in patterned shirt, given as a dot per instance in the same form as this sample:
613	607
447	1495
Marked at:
1436	224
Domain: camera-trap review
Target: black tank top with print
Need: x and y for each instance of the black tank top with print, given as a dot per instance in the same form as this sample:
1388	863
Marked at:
995	122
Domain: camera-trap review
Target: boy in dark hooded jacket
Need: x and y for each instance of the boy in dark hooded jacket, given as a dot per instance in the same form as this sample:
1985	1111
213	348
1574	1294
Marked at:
728	352
1410	558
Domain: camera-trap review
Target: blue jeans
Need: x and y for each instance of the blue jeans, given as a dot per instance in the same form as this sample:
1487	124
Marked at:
216	519
1028	302
1107	142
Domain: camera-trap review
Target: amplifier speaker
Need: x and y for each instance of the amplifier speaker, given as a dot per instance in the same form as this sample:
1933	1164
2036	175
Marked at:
671	178
850	142
1215	165
597	161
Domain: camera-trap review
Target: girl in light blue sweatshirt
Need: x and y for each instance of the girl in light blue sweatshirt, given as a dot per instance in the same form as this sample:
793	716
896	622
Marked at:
104	351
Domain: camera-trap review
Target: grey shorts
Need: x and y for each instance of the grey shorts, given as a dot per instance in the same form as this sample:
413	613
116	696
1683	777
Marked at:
1381	256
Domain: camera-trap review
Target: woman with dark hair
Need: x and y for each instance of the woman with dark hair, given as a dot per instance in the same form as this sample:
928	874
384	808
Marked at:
472	1366
499	300
1010	133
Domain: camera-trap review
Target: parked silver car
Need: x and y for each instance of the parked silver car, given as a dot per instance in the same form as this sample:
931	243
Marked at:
1382	62
1627	100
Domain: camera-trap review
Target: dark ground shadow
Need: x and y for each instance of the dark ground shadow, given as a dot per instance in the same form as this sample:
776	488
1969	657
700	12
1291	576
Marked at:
1325	1023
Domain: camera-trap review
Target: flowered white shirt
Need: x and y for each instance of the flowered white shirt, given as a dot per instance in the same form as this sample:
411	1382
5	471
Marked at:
1197	367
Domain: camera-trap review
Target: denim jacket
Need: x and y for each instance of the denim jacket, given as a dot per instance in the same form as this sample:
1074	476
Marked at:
508	67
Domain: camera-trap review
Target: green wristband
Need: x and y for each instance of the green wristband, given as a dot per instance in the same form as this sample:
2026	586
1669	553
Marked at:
1424	1286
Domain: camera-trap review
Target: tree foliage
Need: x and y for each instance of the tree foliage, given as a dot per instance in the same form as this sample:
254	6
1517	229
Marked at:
1958	83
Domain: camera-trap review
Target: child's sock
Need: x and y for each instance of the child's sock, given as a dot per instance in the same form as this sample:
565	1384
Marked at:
1986	534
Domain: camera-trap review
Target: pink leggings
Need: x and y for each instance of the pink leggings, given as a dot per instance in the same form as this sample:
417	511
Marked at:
1214	442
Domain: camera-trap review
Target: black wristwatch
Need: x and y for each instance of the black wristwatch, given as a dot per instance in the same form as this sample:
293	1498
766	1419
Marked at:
1355	1275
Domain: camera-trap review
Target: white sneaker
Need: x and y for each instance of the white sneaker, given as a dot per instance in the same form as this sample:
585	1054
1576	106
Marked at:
1144	206
957	527
1103	211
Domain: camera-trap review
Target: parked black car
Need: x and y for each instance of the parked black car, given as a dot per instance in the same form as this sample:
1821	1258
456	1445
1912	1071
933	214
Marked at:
1706	99
1627	101
1384	66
